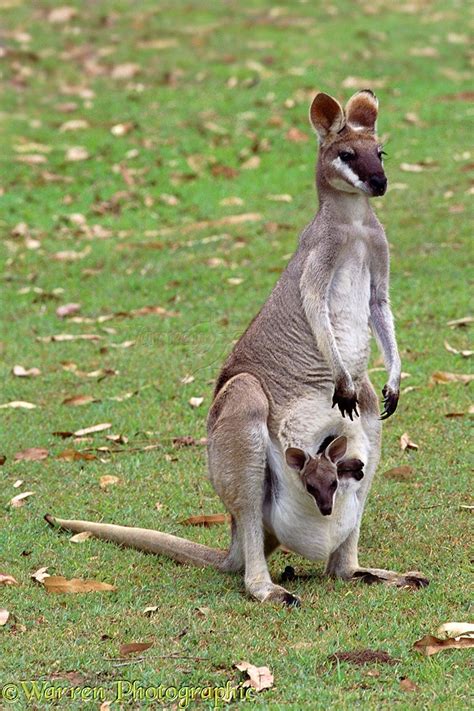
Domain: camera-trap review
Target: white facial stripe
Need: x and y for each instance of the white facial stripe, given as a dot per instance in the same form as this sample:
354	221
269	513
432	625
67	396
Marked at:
348	174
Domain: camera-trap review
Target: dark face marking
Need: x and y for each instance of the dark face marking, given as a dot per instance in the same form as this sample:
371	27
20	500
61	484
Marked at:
363	155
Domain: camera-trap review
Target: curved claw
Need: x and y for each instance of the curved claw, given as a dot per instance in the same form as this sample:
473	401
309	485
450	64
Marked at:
346	405
390	402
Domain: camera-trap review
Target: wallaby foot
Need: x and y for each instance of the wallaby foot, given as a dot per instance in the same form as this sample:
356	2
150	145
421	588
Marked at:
266	591
371	576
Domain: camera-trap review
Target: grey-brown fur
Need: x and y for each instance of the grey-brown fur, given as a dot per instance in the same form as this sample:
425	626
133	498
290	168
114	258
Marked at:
297	378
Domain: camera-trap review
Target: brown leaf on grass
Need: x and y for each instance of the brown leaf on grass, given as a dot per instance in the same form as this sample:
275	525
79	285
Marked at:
74	125
72	455
108	480
20	372
4	615
196	401
206	520
3	459
469	411
407	684
93	429
403	473
363	656
187	441
429	645
406	443
19	500
126	650
32	454
128	70
40	575
455	630
251	163
80	537
6	579
466	320
122	129
77	400
74	154
67	310
32	159
296	136
59	584
71	255
18	405
205	224
441	377
465	353
260	678
61	15
65	337
360	83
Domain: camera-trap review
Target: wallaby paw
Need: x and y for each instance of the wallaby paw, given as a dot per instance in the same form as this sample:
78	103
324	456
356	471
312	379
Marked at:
371	576
390	401
346	400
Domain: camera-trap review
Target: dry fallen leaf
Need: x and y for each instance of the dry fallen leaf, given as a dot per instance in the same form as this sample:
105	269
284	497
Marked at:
6	579
260	678
19	500
429	645
4	615
127	650
464	353
252	163
40	575
127	70
402	473
108	480
80	537
22	372
461	322
196	401
19	405
454	630
61	15
407	684
296	136
64	337
148	611
72	455
91	430
77	400
74	125
406	443
206	520
442	377
32	454
76	153
59	584
67	310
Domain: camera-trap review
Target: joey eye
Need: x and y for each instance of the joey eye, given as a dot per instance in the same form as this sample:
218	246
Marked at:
333	485
346	156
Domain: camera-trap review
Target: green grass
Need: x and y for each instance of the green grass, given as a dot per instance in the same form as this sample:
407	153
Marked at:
231	81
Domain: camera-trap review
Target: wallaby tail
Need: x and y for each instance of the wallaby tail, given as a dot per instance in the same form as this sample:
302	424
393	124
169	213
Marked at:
143	539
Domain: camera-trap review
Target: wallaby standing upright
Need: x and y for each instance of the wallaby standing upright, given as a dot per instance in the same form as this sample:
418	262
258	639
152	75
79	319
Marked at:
303	354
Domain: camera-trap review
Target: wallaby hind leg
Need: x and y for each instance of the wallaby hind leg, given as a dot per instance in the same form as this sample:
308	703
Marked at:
237	444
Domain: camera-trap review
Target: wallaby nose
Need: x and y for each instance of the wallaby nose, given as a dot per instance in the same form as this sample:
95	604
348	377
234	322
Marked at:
326	510
378	184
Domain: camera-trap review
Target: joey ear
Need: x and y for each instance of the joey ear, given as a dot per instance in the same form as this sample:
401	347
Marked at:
336	450
362	110
296	458
326	115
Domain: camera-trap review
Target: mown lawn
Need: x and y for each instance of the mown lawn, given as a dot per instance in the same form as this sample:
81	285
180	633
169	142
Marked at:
187	113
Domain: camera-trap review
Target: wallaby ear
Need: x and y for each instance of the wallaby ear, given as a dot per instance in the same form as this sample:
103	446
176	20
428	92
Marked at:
362	110
336	450
326	115
296	458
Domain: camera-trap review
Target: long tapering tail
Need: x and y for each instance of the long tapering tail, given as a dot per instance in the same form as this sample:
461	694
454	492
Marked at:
143	539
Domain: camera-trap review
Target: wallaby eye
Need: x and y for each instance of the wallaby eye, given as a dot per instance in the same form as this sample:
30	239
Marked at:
333	485
346	156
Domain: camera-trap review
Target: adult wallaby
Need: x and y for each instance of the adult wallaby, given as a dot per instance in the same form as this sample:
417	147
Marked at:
303	354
